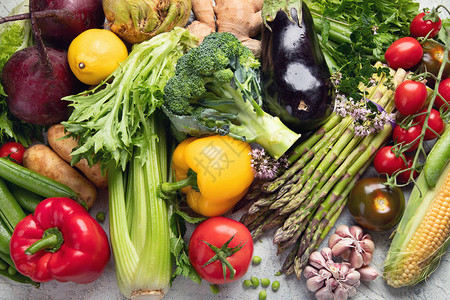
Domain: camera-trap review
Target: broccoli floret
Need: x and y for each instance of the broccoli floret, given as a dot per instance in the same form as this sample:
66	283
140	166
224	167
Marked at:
216	89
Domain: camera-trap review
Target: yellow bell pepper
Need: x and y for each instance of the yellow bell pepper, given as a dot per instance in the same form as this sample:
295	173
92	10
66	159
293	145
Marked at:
214	172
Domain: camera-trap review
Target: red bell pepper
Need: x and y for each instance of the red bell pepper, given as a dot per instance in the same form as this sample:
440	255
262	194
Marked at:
61	241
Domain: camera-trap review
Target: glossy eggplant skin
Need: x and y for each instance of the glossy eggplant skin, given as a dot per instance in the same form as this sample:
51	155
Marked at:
295	77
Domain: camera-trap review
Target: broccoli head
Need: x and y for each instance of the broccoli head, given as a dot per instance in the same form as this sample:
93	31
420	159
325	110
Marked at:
216	90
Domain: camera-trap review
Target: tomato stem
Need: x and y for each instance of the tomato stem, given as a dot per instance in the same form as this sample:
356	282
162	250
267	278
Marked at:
221	255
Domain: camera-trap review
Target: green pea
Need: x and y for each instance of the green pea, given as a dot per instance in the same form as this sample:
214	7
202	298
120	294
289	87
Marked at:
255	281
265	282
278	273
275	285
214	288
12	271
262	295
247	283
100	216
256	260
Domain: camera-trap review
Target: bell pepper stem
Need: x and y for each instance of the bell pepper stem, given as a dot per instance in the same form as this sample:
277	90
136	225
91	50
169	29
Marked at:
51	241
172	187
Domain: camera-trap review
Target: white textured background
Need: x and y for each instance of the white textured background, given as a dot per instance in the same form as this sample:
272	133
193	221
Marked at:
437	287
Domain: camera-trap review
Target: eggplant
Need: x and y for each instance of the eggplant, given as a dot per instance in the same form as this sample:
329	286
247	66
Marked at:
294	75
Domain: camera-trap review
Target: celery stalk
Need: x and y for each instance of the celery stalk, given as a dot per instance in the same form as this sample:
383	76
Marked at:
141	244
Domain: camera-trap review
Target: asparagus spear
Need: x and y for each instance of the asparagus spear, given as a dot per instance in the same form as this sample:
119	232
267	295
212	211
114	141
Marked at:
304	159
345	172
320	225
345	144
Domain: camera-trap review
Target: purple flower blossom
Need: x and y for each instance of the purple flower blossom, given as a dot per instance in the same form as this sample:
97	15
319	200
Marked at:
366	121
264	166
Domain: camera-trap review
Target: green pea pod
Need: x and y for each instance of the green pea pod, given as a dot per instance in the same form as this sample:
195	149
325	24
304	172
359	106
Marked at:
437	158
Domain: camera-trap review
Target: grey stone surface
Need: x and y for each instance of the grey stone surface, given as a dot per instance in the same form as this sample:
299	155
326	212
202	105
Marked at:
436	287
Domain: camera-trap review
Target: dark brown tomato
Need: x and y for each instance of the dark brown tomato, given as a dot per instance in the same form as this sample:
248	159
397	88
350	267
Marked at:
433	55
376	206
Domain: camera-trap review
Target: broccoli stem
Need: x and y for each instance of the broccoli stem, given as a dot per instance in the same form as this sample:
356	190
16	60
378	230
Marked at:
260	127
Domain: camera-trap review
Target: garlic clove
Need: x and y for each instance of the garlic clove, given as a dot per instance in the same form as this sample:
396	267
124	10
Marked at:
309	272
327	254
315	283
351	289
324	294
356	259
325	273
346	254
332	283
368	273
367	258
367	245
334	238
352	277
366	236
342	246
356	232
340	293
317	260
344	271
343	231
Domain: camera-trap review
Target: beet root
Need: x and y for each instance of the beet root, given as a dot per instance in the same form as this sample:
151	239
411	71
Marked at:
35	92
72	17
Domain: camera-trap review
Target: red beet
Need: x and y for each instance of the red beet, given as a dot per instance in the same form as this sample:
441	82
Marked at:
72	18
35	91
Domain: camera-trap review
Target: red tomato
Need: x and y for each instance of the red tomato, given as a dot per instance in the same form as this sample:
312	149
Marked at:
444	91
385	161
420	28
403	177
404	53
406	136
410	97
217	231
13	150
434	122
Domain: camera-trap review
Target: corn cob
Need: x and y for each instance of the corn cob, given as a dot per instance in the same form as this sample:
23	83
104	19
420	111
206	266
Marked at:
423	234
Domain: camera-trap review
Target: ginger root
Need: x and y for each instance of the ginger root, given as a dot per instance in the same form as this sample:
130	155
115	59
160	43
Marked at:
205	20
239	17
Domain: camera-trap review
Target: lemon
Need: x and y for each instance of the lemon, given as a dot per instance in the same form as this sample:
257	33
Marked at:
95	54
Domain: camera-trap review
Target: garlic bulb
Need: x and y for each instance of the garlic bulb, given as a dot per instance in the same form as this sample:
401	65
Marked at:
352	245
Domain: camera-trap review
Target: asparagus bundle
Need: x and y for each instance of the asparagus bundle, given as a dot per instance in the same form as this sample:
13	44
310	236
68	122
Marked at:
305	201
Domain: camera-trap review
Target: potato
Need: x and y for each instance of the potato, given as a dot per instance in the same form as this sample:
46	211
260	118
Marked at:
45	161
65	146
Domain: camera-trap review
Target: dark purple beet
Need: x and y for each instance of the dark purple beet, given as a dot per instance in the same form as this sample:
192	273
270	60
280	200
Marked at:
34	93
74	17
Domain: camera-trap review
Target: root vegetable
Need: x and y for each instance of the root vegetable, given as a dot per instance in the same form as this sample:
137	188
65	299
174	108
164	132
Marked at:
34	95
45	161
205	21
138	21
61	21
63	147
241	18
35	79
